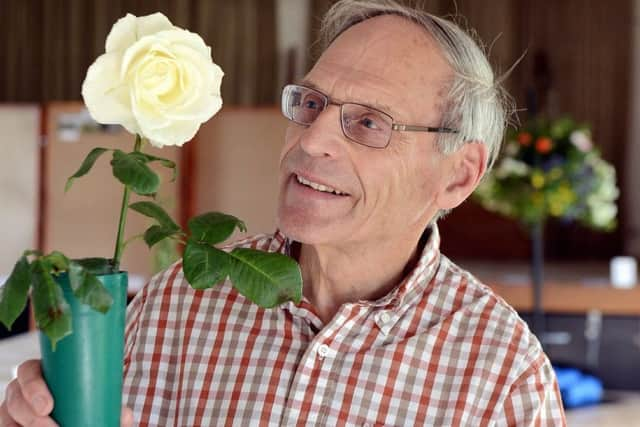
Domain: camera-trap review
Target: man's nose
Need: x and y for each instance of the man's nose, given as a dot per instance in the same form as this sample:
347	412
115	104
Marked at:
324	137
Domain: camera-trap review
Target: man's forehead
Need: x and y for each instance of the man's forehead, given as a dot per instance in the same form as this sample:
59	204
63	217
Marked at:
373	90
387	62
387	40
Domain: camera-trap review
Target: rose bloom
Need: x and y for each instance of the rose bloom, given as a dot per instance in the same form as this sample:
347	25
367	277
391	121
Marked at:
156	80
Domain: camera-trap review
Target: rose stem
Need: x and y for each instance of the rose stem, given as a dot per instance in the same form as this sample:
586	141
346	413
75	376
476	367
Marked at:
123	216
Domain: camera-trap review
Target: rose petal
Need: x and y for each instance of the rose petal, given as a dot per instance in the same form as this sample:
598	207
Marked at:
126	31
177	133
202	99
203	63
147	114
139	50
201	110
179	36
153	23
106	96
122	34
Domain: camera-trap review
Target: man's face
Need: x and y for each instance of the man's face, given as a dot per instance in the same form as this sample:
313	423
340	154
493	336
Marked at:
393	65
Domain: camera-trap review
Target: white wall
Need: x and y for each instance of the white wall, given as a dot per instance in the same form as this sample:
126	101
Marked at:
19	144
292	23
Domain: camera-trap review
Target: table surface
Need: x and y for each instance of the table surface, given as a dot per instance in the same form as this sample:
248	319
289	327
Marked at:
569	288
623	411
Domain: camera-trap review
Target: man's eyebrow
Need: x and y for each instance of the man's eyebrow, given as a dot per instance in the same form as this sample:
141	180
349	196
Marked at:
382	107
310	85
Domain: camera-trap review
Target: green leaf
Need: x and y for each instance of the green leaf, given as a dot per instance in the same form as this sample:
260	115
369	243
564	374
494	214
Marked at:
86	166
13	295
88	289
52	313
267	279
57	260
561	128
30	252
214	227
96	266
204	266
154	211
157	233
164	162
132	171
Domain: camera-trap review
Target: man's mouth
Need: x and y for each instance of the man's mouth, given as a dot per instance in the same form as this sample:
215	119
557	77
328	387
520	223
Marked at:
319	187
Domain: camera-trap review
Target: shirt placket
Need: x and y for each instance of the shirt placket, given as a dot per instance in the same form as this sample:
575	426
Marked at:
312	381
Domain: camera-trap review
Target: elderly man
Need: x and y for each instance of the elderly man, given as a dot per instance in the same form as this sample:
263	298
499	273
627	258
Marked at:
395	124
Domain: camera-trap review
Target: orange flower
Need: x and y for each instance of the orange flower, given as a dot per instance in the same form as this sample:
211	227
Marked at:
524	138
544	145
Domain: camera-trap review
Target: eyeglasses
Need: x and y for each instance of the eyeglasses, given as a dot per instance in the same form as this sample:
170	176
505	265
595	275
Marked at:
360	123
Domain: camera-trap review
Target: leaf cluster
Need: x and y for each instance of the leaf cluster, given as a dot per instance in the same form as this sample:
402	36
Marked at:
131	169
37	272
267	279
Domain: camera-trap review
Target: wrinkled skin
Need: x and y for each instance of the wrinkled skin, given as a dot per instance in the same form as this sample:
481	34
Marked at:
356	247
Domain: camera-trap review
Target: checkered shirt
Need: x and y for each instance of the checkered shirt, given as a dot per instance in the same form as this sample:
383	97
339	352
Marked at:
441	349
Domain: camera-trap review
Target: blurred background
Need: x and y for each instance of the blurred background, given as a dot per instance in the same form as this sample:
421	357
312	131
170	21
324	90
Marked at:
581	60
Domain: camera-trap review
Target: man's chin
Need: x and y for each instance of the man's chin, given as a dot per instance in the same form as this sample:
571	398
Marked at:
303	230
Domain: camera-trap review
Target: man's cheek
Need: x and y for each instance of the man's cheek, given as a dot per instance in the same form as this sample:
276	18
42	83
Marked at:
289	138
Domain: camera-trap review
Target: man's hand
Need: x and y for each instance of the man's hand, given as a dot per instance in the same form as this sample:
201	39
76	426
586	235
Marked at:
29	403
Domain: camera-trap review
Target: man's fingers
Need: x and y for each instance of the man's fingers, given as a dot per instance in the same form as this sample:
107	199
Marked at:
126	418
5	418
19	410
33	387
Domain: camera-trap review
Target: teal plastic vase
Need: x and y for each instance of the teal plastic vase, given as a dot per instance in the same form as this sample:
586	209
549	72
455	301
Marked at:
84	373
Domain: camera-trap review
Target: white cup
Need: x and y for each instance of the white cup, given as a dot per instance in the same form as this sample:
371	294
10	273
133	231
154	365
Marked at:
623	272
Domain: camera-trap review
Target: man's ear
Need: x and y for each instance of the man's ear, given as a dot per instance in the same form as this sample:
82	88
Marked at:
468	165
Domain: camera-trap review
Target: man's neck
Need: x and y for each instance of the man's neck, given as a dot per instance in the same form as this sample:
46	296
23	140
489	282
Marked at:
334	276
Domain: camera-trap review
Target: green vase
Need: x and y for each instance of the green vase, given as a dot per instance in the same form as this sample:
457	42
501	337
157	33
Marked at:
84	373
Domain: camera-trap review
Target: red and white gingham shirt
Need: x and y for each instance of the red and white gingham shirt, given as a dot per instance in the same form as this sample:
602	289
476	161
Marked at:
441	349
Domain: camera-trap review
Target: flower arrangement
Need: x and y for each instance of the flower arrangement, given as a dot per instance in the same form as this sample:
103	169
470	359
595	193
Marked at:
160	83
551	169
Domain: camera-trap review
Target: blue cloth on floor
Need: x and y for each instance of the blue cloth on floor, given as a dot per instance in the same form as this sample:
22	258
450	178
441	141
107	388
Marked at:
578	388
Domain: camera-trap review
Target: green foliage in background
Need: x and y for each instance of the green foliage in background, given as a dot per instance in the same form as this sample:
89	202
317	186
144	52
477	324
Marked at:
551	169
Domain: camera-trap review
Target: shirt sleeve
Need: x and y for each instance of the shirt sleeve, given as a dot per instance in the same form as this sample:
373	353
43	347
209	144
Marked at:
534	398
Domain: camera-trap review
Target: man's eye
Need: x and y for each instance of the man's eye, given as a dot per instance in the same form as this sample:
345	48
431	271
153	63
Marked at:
369	123
311	104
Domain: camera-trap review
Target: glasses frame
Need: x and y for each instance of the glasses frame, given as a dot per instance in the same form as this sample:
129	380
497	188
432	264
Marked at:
394	126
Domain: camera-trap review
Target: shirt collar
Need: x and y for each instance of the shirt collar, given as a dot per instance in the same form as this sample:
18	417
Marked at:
411	289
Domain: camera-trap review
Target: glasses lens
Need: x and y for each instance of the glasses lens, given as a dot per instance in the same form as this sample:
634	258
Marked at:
366	126
302	105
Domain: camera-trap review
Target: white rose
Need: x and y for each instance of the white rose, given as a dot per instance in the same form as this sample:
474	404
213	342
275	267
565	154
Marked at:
156	80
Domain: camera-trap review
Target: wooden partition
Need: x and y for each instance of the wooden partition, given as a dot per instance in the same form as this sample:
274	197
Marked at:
83	222
235	165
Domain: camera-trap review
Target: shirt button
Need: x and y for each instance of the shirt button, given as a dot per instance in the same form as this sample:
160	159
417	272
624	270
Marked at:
323	350
385	317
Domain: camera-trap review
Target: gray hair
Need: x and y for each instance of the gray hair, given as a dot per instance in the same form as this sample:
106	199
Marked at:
476	104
